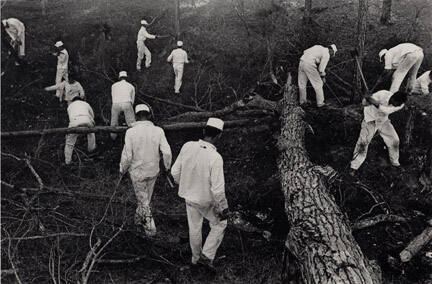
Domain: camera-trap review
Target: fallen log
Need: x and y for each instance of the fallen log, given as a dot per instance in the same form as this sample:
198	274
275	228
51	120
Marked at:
416	245
320	236
120	129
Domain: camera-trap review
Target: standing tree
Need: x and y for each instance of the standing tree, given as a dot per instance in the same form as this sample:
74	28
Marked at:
361	37
177	19
44	4
307	17
386	12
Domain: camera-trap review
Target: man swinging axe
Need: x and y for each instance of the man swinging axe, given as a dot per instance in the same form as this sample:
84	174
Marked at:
377	108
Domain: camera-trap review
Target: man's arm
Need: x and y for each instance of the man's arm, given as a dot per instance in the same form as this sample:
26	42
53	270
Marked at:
166	151
126	157
217	181
425	86
390	109
169	59
176	168
186	59
323	64
55	87
147	35
133	94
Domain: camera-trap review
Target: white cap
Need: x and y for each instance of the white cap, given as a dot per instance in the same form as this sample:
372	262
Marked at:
58	44
144	22
179	43
215	122
381	53
333	46
123	74
142	107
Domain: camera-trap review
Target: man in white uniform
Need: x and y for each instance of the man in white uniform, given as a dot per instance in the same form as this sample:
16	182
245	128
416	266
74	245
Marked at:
16	30
376	111
403	58
178	57
123	97
312	67
142	48
140	157
199	172
62	65
421	86
80	114
70	89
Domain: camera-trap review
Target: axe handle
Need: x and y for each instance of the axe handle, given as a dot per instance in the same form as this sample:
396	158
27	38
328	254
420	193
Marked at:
361	74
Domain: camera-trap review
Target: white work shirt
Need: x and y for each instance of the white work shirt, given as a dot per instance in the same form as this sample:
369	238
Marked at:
62	59
78	109
140	155
143	35
422	83
380	115
317	55
178	55
395	55
70	90
199	172
16	28
123	92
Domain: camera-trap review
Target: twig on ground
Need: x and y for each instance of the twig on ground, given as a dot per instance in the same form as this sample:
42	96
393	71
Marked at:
372	221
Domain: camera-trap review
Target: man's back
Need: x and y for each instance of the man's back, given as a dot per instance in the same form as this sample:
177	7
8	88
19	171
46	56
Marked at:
179	56
79	108
142	144
122	92
201	172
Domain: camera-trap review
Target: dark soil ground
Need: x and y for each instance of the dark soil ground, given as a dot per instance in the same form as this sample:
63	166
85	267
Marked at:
224	58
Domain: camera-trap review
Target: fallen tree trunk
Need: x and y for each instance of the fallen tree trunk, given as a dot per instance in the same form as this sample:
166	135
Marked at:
416	245
119	129
320	236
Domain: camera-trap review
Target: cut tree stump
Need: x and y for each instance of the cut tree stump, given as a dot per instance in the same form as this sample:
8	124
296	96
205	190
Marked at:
320	235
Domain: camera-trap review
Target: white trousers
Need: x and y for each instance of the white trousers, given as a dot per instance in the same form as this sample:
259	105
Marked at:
116	110
62	73
308	71
195	215
143	216
178	71
143	51
72	138
410	63
367	132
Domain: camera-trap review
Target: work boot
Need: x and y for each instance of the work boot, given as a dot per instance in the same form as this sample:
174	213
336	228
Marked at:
207	262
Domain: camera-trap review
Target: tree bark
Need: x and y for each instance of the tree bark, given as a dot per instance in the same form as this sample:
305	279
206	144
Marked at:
119	129
177	19
307	16
320	236
361	36
386	12
44	4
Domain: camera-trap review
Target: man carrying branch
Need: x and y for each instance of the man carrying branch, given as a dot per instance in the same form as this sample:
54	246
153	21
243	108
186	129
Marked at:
377	108
142	48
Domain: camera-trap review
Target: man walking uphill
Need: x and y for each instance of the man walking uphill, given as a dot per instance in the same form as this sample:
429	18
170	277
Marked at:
140	157
123	97
178	57
312	67
62	65
199	172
